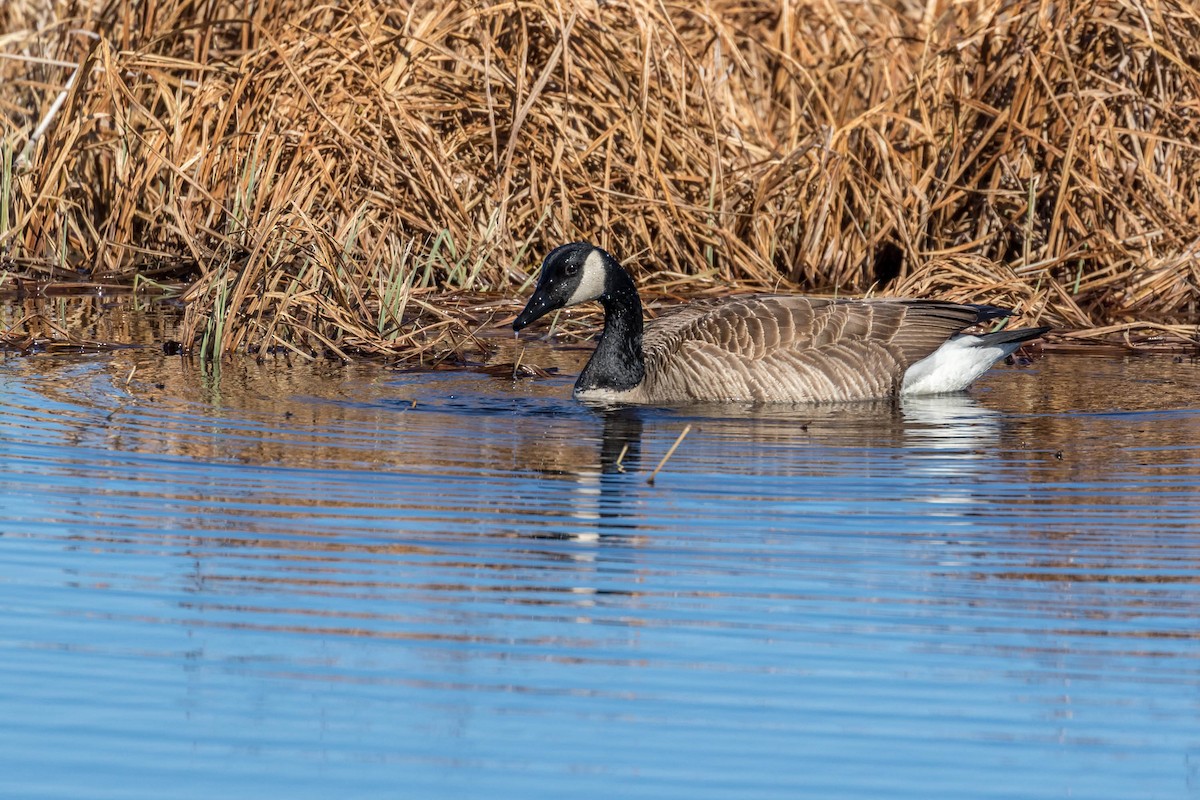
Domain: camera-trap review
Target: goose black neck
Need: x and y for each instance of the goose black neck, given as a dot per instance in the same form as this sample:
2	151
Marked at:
618	362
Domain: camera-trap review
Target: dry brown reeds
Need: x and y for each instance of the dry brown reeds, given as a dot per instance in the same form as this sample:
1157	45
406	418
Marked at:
319	173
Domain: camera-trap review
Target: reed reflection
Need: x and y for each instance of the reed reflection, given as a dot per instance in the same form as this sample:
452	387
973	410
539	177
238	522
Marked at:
446	461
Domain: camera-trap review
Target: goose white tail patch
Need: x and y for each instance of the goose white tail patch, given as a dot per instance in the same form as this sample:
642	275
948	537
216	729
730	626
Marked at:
592	279
954	366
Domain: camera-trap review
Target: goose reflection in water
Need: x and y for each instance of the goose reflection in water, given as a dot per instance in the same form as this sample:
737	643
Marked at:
951	437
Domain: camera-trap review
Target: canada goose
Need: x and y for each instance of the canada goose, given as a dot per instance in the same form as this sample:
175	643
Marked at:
766	348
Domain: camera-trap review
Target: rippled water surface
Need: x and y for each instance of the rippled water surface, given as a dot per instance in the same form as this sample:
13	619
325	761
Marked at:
315	582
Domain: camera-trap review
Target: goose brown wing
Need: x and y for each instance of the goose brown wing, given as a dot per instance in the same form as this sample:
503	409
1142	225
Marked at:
784	347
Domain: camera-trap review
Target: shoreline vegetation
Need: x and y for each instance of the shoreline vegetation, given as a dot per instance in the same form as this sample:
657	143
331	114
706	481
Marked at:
361	178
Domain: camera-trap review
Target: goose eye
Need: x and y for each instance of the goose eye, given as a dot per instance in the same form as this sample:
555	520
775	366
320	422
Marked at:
572	270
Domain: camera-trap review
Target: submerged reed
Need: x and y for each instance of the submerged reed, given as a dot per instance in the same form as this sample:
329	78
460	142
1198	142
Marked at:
321	175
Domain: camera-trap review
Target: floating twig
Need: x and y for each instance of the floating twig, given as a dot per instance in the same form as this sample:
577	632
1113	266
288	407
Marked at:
621	457
686	429
517	363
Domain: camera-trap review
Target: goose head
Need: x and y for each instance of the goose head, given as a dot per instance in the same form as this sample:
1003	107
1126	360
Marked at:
572	273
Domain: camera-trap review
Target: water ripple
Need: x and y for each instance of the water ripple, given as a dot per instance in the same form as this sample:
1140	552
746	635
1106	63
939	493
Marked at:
315	581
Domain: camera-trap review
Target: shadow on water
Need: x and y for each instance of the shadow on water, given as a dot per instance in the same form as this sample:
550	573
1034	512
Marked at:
317	580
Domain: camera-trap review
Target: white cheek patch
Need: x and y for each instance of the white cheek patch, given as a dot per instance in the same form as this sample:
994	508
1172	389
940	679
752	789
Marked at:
591	282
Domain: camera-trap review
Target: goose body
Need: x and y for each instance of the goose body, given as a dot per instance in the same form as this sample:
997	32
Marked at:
766	348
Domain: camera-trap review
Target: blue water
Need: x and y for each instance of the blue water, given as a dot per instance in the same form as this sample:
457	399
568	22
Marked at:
314	582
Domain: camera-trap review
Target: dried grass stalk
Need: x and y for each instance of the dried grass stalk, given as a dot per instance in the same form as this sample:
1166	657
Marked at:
315	170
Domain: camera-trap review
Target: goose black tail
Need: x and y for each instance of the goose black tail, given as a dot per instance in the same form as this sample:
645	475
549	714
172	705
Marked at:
985	313
1011	337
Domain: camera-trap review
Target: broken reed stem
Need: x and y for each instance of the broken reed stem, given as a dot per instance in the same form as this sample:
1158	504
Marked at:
686	429
26	156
